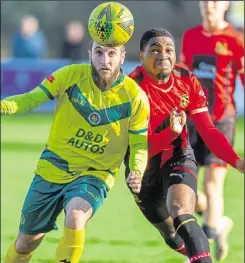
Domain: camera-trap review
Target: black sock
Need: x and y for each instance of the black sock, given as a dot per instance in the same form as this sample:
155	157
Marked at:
209	231
196	242
176	243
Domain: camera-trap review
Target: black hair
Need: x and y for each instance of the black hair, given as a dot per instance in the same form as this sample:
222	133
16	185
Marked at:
154	32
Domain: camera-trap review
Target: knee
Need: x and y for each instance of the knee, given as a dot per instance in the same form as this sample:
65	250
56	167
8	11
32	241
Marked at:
178	210
27	244
78	212
23	247
76	219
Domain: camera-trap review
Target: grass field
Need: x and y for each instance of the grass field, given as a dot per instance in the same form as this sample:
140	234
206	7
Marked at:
118	233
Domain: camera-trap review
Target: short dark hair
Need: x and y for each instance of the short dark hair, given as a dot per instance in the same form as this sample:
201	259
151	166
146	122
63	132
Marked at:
154	32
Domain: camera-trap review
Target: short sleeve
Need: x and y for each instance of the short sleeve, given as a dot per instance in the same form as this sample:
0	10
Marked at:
54	85
198	100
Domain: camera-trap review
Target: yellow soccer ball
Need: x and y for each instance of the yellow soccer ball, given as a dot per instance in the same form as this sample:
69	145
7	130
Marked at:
111	24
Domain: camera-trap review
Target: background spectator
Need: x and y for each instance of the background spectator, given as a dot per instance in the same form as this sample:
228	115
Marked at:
73	45
29	41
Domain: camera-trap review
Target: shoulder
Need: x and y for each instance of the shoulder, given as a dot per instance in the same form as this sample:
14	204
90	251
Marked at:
137	75
185	77
131	85
71	74
76	70
133	89
192	31
181	72
235	35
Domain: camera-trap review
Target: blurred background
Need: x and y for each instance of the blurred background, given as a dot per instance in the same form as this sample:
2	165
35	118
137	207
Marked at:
57	35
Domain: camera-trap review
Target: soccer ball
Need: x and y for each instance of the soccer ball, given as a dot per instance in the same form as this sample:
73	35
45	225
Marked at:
111	24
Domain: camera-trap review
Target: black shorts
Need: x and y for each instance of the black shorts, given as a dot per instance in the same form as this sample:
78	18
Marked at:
152	197
204	156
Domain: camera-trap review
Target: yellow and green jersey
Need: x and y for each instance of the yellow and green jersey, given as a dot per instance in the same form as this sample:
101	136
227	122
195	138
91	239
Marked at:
91	129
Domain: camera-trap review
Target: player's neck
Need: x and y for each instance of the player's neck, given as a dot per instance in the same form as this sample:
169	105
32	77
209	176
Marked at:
221	25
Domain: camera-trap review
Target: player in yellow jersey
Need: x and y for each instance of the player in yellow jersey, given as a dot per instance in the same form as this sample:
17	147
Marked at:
99	113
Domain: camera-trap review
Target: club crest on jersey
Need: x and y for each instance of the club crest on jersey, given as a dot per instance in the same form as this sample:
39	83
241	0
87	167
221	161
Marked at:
94	118
222	49
184	100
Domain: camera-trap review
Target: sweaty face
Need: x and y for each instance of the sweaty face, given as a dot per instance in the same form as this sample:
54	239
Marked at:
106	63
213	12
158	57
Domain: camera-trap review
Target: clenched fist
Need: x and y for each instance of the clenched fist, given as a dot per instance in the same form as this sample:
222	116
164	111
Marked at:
134	181
177	120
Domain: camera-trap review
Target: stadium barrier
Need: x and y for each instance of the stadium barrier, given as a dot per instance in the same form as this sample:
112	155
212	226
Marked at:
22	75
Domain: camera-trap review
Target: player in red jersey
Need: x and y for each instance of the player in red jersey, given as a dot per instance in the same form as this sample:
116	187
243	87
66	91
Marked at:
214	51
168	193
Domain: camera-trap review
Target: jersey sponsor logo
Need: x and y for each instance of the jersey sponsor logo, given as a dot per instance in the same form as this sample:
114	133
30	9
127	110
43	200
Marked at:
222	49
184	100
79	99
205	71
94	118
88	141
50	78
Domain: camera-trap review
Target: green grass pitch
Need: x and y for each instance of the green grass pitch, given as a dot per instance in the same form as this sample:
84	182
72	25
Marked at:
118	233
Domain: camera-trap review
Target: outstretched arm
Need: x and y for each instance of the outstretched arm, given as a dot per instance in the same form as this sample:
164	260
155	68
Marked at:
52	87
24	102
215	140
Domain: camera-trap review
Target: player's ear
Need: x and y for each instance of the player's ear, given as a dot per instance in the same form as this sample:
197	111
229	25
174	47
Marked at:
89	55
123	55
141	56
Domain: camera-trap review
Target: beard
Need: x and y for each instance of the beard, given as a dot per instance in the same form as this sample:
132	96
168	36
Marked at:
104	83
163	75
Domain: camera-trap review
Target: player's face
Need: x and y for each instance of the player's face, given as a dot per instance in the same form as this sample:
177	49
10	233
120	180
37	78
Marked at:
213	12
158	57
106	62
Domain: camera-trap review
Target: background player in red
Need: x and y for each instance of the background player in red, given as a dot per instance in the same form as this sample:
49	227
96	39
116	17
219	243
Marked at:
168	194
214	51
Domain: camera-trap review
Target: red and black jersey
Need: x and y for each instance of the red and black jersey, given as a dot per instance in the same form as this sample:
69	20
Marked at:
215	59
183	91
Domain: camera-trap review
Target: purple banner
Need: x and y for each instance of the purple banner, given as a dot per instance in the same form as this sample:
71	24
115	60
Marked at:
20	81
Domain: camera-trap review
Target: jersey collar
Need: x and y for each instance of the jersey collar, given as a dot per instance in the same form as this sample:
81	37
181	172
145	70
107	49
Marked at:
165	87
216	32
120	79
